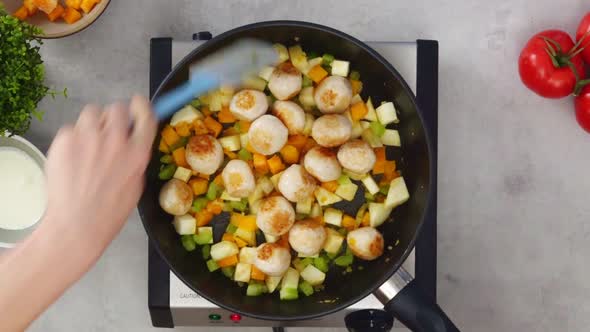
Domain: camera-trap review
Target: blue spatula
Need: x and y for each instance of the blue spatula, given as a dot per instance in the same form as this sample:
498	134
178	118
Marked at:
228	66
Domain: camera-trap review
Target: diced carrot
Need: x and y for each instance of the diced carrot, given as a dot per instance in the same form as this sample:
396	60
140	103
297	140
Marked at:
215	207
169	135
179	157
163	147
218	180
213	126
348	222
357	87
260	163
297	141
247	223
317	73
71	15
87	5
183	129
228	237
31	6
366	220
330	186
228	261
200	128
56	13
206	111
389	170
358	111
225	116
290	154
73	3
256	274
283	241
275	164
241	243
199	186
244	126
379	167
231	131
230	154
204	217
22	13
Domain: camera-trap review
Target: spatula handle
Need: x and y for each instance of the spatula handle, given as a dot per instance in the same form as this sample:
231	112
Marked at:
172	101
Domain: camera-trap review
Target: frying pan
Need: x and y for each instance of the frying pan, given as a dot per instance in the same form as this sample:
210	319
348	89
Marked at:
384	277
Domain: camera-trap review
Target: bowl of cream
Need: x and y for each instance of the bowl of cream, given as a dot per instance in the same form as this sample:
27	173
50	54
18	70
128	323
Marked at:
23	195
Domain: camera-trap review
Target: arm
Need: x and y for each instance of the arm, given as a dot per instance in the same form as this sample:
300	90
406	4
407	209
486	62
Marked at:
94	180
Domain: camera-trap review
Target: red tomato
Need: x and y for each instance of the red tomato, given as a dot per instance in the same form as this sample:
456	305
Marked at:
583	29
550	75
583	108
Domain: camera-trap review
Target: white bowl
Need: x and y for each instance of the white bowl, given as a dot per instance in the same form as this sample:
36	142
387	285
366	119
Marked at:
9	238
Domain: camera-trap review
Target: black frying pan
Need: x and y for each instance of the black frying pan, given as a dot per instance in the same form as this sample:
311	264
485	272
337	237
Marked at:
396	290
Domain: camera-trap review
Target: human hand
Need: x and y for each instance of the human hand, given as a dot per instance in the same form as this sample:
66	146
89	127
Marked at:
95	173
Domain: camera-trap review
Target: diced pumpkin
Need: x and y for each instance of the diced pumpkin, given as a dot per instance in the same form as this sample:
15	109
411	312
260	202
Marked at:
199	127
214	207
348	222
73	3
379	167
357	87
206	111
31	6
228	237
231	131
330	186
183	129
214	127
275	164
358	111
163	147
389	171
256	274
56	13
203	176
247	223
204	217
225	116
169	135
298	141
199	186
317	73
71	15
228	261
290	154
366	219
87	5
22	13
230	154
244	126
260	163
241	243
310	144
179	156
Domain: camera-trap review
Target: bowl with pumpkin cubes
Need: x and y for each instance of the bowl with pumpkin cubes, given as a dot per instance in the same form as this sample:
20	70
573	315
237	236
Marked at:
57	18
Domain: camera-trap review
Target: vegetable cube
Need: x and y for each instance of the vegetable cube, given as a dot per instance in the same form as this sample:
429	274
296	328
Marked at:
312	275
87	5
304	207
204	235
228	261
317	73
290	282
298	58
378	213
387	114
282	52
309	120
371	114
271	238
358	111
370	184
330	186
340	68
246	235
183	174
248	255
398	193
247	223
254	82
256	274
306	98
333	241
316	211
212	265
230	143
272	283
198	185
187	114
370	137
170	136
227	197
204	218
275	180
317	61
223	249
56	13
347	191
265	185
31	6
290	154
213	126
379	167
46	6
225	116
357	86
22	13
306	288
266	72
260	163
73	3
185	224
275	164
348	222
243	272
298	141
71	15
391	138
188	243
333	217
179	157
324	197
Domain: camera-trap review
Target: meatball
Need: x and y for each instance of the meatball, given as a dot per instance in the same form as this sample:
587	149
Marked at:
322	164
204	154
357	156
307	237
331	130
333	95
296	184
285	81
291	114
275	216
176	197
267	135
272	259
365	243
248	104
238	178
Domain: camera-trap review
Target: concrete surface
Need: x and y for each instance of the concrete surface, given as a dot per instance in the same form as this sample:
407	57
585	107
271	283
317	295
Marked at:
513	202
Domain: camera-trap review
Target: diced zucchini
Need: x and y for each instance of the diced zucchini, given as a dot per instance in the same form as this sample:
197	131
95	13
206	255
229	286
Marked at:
246	235
228	271
377	128
256	289
275	180
391	138
357	129
227	197
187	114
316	210
204	235
370	184
333	217
247	255
243	272
333	241
387	114
254	82
272	282
325	197
240	206
347	190
231	143
231	228
309	120
256	195
185	224
199	203
371	114
244	140
398	193
223	249
215	101
306	98
370	137
271	238
340	68
313	275
356	99
300	264
188	243
304	207
327	59
266	72
282	52
183	174
289	285
312	63
212	265
298	58
378	213
266	185
306	288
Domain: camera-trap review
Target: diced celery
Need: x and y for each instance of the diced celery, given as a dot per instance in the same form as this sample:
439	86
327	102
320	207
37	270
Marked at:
196	103
377	128
212	191
256	289
212	265
166	159
199	203
289	285
181	142
241	206
244	154
321	263
327	59
312	55
188	243
344	260
289	294
228	271
206	251
355	75
300	264
332	255
231	228
204	235
167	172
306	288
306	82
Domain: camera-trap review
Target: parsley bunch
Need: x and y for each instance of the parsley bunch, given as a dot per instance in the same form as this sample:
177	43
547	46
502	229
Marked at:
21	75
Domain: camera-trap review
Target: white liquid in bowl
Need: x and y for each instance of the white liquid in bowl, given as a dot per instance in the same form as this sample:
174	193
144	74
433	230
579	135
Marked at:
22	190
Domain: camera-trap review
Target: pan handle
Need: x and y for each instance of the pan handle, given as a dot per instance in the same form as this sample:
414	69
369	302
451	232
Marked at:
402	297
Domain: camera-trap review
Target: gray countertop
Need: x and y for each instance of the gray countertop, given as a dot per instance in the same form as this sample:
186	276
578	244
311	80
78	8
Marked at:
513	168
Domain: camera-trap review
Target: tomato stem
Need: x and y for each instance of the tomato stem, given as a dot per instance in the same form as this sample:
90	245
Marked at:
580	85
